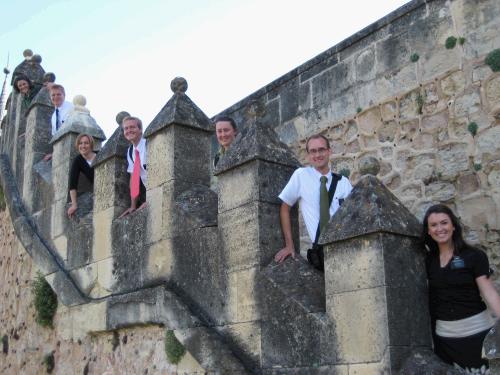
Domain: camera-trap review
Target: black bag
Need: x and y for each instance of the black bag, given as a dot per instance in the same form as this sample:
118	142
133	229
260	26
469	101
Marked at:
315	255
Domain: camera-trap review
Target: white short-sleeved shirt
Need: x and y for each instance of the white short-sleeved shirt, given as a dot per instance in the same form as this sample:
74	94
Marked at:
141	147
304	187
64	111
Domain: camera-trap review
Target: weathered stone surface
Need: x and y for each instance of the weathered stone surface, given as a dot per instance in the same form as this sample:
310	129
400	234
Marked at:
467	104
369	121
488	142
440	191
452	159
453	84
374	209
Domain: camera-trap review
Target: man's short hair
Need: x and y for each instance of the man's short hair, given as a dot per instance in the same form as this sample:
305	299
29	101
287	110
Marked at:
317	136
137	120
228	119
58	87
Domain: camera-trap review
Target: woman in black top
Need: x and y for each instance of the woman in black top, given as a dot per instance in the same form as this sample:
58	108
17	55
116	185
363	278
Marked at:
81	164
458	276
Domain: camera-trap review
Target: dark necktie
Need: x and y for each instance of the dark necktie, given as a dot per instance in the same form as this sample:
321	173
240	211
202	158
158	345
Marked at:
58	119
324	209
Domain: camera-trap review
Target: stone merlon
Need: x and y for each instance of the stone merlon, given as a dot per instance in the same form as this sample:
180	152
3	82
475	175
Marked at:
179	110
257	142
374	209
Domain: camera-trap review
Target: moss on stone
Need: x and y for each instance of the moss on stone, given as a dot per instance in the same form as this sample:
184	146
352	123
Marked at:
477	167
472	128
493	60
451	42
45	301
461	40
173	348
359	109
414	57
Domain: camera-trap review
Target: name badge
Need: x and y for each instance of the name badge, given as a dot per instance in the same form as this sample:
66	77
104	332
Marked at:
457	263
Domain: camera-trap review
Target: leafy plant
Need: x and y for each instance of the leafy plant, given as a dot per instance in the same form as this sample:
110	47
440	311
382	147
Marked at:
345	172
45	301
49	362
414	57
461	40
451	42
359	109
493	60
173	348
472	128
477	167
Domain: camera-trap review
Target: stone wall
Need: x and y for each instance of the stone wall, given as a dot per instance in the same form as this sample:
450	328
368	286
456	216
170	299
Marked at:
199	260
135	350
394	91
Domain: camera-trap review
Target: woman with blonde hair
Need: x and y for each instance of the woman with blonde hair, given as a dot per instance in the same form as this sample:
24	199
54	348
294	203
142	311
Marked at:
82	163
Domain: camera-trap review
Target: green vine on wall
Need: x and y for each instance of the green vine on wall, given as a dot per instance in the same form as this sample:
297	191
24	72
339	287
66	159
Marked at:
173	348
45	301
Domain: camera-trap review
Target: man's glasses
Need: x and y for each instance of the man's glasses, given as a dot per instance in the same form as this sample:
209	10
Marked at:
315	151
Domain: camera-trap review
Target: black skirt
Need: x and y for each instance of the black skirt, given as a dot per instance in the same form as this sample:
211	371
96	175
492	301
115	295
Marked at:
464	351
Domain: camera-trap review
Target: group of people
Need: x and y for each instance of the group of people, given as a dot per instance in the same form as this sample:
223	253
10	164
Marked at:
458	273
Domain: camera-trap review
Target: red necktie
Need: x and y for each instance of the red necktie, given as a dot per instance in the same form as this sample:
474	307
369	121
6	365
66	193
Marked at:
136	176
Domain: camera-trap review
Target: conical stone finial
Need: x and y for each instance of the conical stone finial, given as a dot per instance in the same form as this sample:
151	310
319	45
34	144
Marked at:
179	85
80	121
179	110
120	116
36	59
369	166
49	77
27	54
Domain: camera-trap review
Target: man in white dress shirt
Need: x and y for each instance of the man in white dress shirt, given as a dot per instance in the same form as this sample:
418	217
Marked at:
62	107
132	130
304	186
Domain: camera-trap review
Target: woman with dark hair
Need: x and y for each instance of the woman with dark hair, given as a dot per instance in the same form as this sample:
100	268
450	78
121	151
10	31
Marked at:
24	86
81	164
458	276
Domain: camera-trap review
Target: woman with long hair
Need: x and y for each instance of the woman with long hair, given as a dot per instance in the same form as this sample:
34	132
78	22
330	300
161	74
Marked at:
24	86
82	163
459	280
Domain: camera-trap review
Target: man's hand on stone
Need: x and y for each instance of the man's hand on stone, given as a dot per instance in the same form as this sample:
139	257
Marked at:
127	212
284	253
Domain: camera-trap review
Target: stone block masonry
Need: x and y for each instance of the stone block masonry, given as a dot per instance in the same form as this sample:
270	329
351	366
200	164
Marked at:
198	260
369	98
